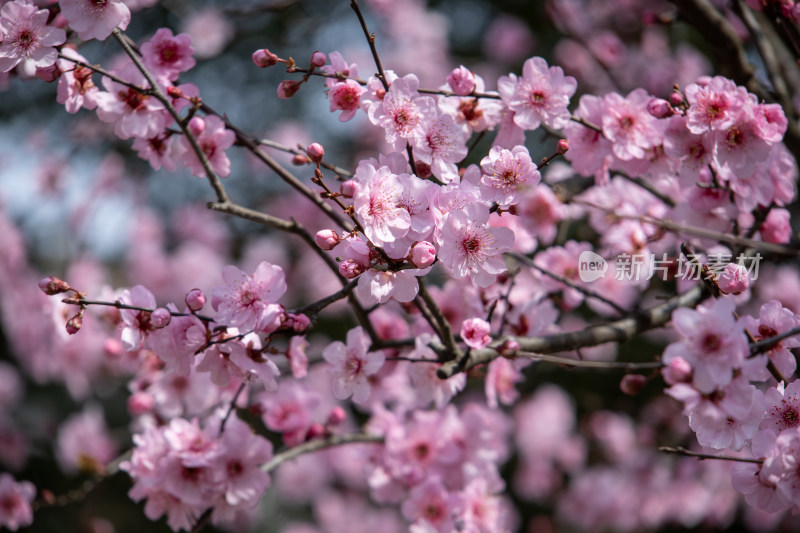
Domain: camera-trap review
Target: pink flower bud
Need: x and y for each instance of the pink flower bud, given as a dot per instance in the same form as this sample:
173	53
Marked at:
660	108
562	146
348	188
678	370
113	348
776	227
74	324
316	152
264	58
195	300
733	279
676	99
288	88
315	431
48	74
318	59
160	318
475	333
423	169
197	126
140	403
300	322
422	255
350	268
461	81
632	384
300	159
508	348
336	416
52	285
327	239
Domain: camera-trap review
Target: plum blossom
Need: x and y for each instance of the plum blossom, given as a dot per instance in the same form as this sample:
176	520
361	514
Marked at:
469	247
628	125
541	95
376	204
402	110
94	19
351	365
783	407
248	302
378	286
83	443
506	173
25	36
15	502
441	143
133	114
476	333
136	324
713	106
75	86
774	319
168	55
213	139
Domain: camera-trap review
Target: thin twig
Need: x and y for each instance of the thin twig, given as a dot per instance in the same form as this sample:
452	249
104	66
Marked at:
566	361
319	444
679	450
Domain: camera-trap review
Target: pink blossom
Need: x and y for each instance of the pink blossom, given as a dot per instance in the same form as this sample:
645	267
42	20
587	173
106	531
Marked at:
713	106
729	422
249	301
541	95
430	501
782	407
75	86
378	286
774	319
345	97
714	343
15	502
298	359
590	150
401	110
776	228
177	343
95	20
25	36
440	143
506	173
629	126
290	409
422	255
427	385
136	323
214	139
476	333
461	80
502	377
133	114
168	55
84	444
376	205
469	247
351	365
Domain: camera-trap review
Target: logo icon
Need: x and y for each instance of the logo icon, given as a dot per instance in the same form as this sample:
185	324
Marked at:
591	266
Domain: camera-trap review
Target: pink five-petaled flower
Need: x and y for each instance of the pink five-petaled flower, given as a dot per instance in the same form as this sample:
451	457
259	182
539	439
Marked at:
476	333
629	126
351	364
136	324
15	502
714	343
505	172
541	95
25	36
469	247
133	114
95	19
376	205
214	139
248	302
168	55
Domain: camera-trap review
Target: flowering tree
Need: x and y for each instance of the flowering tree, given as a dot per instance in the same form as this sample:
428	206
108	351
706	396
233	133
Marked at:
527	301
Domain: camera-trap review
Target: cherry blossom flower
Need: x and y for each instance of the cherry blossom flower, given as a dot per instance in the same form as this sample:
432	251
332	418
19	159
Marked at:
213	140
469	247
25	36
378	286
402	110
94	19
506	173
376	204
441	143
541	95
427	385
133	114
774	319
713	106
168	55
783	407
84	444
136	323
351	365
248	302
476	333
75	86
430	501
628	125
15	502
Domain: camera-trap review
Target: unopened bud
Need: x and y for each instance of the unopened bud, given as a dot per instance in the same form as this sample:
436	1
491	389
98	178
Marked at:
733	279
562	146
195	300
423	169
48	74
315	431
336	416
316	152
264	58
676	99
350	268
52	285
300	323
160	318
348	188
74	324
632	384
318	59
461	81
197	126
288	88
327	239
140	403
508	348
300	159
423	254
678	370
660	108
